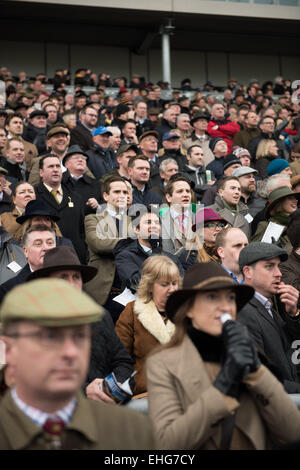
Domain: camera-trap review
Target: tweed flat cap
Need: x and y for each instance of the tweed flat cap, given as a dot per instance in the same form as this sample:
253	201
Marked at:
242	171
258	251
49	302
57	130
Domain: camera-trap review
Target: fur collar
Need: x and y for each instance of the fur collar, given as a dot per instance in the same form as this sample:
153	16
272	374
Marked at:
152	321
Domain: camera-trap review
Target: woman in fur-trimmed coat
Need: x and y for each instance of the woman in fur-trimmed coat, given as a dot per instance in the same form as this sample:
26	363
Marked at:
142	325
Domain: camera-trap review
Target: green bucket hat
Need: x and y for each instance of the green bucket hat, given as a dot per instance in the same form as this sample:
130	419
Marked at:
49	302
278	195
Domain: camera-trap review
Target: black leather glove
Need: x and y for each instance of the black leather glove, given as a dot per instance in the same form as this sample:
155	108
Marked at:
239	358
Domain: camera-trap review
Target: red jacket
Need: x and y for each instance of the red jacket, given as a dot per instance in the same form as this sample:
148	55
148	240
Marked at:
226	130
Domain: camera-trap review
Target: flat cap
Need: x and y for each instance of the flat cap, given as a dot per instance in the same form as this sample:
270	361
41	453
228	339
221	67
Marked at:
125	148
57	130
257	251
242	171
150	132
49	302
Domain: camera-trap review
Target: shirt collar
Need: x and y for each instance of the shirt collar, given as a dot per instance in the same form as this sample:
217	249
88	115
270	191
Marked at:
114	213
88	128
232	275
40	417
264	301
59	189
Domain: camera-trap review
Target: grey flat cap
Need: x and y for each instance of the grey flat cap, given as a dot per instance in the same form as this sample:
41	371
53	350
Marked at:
257	251
243	170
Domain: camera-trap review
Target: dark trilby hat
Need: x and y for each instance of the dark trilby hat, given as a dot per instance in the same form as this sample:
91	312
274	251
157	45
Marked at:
203	277
72	150
36	207
278	195
200	116
257	251
62	258
38	112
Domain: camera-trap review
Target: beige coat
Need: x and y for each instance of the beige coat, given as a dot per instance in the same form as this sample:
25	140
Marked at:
141	328
101	238
186	410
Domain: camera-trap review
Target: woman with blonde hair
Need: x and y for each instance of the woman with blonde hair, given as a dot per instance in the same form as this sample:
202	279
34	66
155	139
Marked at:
207	388
143	325
267	150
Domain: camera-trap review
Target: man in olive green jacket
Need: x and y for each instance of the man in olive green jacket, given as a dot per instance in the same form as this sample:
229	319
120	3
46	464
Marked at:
46	327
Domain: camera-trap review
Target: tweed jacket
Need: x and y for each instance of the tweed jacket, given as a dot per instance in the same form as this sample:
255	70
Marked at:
141	328
94	426
187	411
235	220
101	237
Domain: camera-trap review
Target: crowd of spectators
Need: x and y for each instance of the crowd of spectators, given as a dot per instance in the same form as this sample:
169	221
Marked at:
142	188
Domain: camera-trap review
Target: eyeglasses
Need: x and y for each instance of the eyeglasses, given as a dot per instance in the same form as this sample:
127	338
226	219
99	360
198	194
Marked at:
79	157
214	225
54	337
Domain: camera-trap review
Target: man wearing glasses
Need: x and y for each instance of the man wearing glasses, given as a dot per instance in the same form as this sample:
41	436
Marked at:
82	134
46	327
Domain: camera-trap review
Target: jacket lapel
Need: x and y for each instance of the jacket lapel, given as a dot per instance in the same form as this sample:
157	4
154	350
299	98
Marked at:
264	313
152	321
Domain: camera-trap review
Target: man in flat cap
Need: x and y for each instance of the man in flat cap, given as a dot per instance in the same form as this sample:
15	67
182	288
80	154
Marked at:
46	327
272	315
58	139
36	130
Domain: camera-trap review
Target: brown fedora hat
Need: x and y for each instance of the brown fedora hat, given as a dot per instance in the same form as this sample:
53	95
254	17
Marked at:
63	258
203	277
278	195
